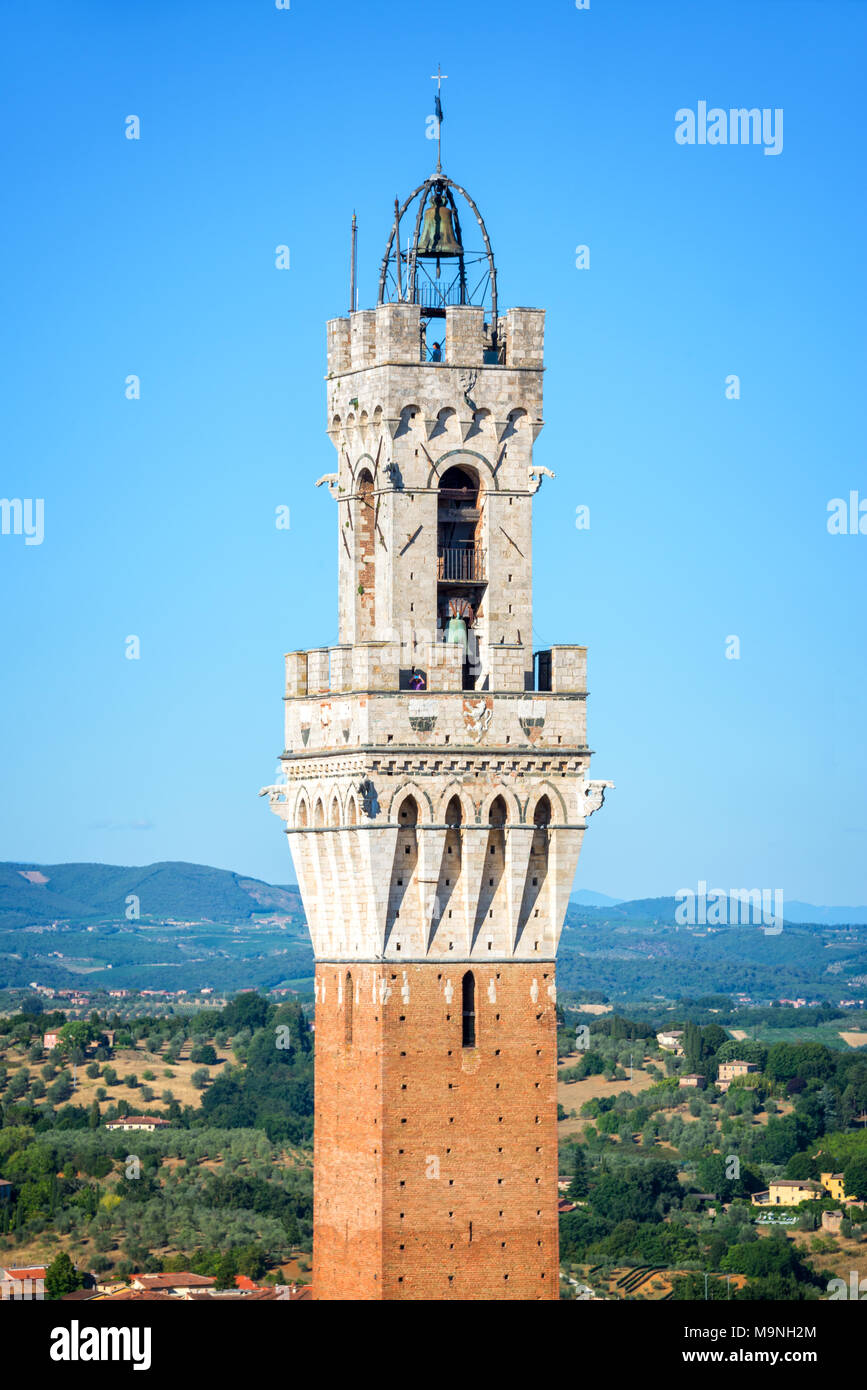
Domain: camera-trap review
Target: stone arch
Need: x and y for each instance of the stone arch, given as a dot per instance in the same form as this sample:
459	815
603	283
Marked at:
515	421
422	800
446	418
498	812
402	920
481	422
510	800
350	810
318	812
533	913
302	811
468	808
357	468
365	557
407	422
453	457
334	816
559	810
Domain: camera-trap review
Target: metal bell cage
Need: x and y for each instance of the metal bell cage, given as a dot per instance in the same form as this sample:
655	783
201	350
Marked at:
437	237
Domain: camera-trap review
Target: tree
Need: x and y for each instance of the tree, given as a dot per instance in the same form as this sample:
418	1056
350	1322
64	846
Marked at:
61	1276
855	1179
580	1185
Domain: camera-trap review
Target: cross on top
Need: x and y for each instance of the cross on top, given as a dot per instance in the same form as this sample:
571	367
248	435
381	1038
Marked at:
439	77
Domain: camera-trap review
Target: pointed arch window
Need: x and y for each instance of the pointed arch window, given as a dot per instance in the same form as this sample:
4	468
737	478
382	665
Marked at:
347	1009
468	1010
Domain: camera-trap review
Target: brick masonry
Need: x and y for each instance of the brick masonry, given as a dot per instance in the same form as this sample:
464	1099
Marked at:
435	832
436	1164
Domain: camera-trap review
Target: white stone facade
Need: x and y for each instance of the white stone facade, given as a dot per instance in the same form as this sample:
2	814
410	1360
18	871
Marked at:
441	823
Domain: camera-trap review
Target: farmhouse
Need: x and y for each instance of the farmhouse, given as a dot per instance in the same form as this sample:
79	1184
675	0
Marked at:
729	1070
788	1192
833	1183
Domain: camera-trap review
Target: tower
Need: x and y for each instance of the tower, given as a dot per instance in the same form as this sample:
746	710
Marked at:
436	792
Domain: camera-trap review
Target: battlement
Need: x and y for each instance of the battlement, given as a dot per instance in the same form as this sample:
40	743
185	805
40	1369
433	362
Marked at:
390	335
365	667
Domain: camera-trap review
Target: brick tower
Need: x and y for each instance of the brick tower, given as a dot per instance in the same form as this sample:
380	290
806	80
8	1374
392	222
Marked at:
435	794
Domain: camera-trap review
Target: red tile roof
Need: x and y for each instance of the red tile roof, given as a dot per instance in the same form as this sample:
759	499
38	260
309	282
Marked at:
150	1282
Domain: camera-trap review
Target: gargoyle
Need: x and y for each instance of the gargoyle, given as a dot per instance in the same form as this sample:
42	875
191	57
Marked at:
275	793
592	798
534	474
331	480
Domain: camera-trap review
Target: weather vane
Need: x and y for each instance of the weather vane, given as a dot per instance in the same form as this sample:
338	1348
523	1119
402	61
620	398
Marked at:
439	77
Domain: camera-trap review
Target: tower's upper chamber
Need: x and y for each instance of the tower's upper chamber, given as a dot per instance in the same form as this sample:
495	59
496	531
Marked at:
436	789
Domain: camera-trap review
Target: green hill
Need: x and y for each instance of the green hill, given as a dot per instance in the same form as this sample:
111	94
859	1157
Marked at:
33	894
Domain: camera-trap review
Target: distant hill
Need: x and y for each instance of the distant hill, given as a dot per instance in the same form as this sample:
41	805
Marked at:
31	894
585	897
836	916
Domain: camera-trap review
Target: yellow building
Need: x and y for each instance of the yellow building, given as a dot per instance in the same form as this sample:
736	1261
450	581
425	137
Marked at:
833	1182
789	1192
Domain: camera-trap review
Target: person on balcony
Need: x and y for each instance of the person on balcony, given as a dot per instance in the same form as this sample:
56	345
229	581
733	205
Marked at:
436	353
417	680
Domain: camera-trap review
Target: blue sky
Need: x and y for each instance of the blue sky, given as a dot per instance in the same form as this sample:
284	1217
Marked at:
262	127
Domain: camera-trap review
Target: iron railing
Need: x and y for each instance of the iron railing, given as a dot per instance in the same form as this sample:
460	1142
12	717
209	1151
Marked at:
465	565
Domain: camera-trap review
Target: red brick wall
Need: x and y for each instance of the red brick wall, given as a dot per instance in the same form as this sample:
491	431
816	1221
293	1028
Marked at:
436	1165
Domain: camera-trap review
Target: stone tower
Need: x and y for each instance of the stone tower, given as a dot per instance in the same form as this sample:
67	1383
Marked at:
435	794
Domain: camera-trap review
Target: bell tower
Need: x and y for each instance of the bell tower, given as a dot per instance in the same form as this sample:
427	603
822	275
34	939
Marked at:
435	791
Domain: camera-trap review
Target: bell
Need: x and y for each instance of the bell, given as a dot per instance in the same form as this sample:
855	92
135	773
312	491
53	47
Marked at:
456	633
437	237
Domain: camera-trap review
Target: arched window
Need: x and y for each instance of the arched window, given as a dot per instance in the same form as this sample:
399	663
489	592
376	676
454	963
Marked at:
542	813
365	562
460	559
347	1009
468	1007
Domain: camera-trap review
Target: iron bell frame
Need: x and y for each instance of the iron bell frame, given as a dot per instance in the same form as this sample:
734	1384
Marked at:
422	288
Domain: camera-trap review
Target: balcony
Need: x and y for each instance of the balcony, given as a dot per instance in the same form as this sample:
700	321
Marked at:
461	565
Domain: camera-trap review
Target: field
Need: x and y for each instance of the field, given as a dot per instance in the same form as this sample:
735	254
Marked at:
572	1095
136	1061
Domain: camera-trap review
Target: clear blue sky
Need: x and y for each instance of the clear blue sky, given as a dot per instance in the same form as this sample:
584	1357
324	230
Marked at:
708	517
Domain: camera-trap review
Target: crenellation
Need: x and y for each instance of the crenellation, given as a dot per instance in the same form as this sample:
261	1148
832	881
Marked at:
435	794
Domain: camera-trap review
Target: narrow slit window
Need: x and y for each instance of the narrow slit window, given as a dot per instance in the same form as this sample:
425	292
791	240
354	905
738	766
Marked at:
469	1010
347	1010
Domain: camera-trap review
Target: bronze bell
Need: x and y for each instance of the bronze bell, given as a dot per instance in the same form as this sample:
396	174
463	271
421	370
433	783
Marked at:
437	237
